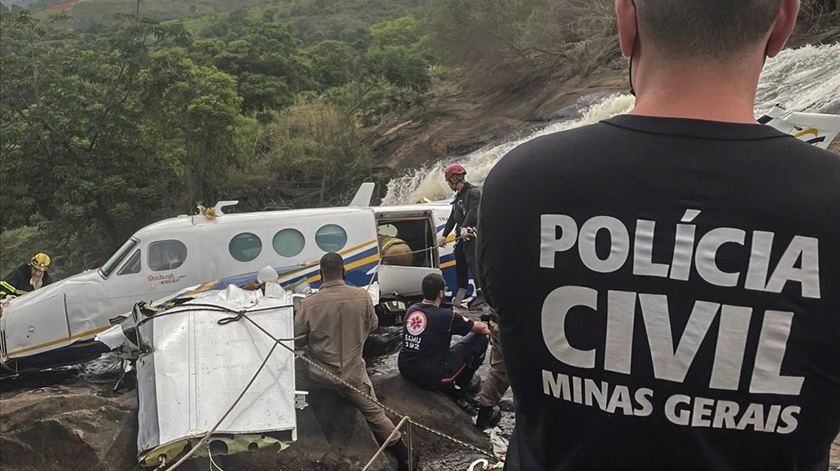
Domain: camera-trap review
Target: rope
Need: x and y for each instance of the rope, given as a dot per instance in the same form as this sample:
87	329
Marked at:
205	307
386	442
397	414
242	314
230	409
213	463
481	461
428	249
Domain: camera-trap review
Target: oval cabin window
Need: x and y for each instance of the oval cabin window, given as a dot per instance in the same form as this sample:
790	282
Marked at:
245	247
331	238
166	254
288	242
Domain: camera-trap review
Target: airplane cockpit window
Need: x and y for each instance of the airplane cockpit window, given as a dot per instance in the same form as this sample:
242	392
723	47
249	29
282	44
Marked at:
245	247
331	238
288	242
132	265
167	254
118	257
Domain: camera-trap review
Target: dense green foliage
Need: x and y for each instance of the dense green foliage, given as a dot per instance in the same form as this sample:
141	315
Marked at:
104	133
110	120
503	43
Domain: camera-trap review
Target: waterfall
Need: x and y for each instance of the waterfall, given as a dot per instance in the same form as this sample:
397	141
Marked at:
802	79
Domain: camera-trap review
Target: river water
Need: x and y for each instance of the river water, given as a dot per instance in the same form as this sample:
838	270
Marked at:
802	79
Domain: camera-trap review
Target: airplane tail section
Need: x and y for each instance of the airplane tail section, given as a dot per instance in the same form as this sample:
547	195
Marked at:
363	195
813	128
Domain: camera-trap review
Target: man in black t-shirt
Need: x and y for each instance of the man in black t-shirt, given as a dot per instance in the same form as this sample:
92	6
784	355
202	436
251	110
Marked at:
674	298
426	359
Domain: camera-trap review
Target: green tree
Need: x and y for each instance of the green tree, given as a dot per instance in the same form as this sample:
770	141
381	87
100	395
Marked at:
334	63
195	112
74	147
499	43
264	57
313	156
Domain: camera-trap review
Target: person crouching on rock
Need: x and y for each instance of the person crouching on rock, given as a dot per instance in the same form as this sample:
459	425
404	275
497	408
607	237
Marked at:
426	359
335	322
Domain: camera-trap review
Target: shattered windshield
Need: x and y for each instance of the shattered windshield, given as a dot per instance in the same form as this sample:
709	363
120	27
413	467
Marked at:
118	256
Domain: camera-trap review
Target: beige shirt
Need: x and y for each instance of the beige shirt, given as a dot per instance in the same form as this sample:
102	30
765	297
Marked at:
337	320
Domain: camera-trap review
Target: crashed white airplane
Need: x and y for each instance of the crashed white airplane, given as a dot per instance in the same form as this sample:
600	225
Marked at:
58	324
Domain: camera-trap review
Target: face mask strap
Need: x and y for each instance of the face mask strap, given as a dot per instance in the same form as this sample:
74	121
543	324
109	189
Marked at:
633	49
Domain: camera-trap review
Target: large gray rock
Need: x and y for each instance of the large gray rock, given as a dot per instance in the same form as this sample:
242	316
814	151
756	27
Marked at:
47	428
439	412
93	428
81	424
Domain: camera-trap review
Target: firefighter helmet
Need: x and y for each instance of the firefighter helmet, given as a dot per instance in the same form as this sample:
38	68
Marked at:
41	261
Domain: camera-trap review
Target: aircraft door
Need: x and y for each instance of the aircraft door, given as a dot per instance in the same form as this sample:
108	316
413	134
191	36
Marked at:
407	241
42	326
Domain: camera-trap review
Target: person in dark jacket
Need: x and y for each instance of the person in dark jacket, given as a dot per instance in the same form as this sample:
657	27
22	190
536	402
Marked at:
27	277
463	218
427	357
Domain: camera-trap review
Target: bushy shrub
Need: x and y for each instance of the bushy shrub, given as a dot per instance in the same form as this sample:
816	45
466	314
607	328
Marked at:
500	43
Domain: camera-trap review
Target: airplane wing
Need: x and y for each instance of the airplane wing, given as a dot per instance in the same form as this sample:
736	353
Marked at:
813	128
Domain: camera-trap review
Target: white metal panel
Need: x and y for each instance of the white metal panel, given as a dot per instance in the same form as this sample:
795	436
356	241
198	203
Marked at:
402	281
201	367
43	326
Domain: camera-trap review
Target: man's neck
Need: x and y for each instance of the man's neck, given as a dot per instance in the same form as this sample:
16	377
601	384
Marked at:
724	93
431	302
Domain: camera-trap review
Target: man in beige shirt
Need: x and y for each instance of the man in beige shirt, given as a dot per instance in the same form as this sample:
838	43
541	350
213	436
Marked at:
336	322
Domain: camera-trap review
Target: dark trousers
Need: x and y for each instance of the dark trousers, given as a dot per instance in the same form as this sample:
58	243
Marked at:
308	378
466	262
463	360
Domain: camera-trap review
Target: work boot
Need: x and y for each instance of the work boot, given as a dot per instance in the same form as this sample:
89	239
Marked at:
471	389
488	416
400	452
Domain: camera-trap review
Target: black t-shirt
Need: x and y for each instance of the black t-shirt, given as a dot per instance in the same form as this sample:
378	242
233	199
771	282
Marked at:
669	296
427	333
18	282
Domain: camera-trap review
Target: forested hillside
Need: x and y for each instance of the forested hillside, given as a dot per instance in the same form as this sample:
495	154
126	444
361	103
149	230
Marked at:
103	133
110	120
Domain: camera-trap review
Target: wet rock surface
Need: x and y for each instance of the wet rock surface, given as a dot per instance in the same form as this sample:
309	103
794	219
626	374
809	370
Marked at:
73	416
67	416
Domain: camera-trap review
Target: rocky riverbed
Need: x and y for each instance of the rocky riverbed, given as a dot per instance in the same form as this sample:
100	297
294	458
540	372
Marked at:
71	415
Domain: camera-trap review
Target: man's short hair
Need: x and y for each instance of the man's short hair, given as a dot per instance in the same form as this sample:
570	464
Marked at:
705	29
331	266
432	285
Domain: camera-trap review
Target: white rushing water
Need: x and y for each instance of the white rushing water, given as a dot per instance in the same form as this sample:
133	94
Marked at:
803	79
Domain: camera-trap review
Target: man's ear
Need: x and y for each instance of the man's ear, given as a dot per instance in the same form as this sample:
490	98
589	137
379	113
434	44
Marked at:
625	11
783	27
